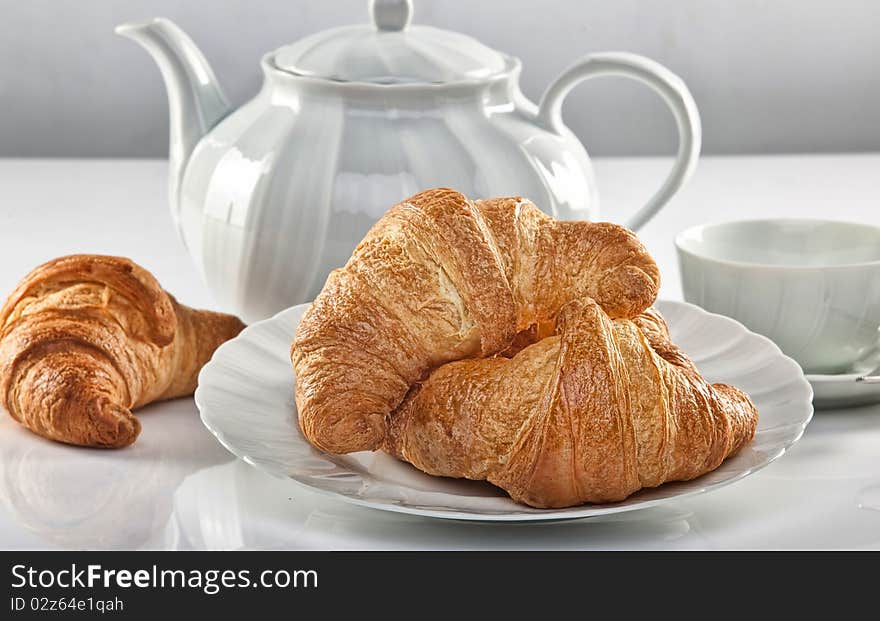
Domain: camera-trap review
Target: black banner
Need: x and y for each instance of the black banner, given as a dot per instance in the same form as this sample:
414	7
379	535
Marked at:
127	585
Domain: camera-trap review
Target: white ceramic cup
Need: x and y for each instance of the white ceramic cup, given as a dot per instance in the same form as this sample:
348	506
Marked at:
812	286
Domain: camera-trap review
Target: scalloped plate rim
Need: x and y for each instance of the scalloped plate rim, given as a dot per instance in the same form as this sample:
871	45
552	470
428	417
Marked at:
526	514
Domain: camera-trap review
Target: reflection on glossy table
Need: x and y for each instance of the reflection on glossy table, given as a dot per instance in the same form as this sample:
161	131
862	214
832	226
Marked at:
177	488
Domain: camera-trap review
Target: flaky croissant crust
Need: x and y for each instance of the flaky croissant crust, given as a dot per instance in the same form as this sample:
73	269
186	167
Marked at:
84	339
441	278
598	411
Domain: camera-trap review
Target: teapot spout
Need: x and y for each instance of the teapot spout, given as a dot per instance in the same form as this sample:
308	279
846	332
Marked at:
195	101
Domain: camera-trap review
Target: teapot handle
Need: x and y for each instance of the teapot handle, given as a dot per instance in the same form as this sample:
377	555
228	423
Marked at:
668	85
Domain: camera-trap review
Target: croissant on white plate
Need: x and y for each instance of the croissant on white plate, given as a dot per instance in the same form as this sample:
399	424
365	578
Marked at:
441	278
596	412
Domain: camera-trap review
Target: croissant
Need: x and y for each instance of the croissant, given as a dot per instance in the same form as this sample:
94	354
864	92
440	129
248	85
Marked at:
85	339
592	414
441	278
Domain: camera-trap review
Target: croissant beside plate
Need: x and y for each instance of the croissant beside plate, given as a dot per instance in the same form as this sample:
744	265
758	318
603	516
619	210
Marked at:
85	339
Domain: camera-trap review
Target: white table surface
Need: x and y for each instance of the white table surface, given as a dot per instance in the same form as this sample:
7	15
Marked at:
178	488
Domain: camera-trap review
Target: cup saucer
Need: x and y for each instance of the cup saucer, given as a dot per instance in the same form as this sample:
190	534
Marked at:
841	390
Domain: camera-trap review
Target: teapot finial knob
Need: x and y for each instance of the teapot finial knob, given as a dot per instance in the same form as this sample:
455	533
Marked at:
391	14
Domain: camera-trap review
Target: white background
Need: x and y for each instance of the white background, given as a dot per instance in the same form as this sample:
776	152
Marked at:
769	76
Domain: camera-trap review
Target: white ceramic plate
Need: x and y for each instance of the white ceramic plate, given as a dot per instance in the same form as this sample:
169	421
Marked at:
842	390
245	397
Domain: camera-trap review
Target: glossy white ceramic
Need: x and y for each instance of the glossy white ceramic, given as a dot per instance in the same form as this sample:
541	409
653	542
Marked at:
270	197
812	286
842	390
245	397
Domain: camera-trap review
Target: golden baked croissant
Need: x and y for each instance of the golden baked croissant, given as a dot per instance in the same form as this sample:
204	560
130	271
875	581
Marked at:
441	278
592	414
85	339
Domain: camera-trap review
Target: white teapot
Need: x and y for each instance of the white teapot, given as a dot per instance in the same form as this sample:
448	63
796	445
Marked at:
270	197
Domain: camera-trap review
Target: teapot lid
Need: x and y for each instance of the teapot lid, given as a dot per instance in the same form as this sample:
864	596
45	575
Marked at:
390	51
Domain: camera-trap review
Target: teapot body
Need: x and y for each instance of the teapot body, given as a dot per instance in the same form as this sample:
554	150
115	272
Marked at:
271	197
280	192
